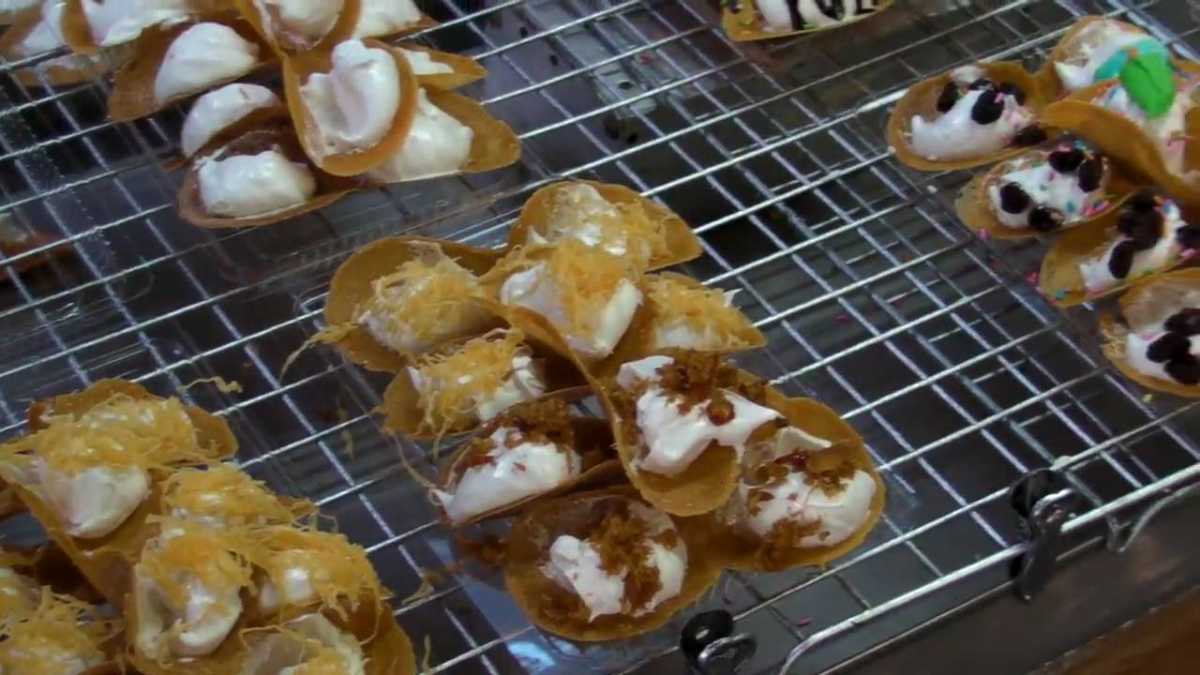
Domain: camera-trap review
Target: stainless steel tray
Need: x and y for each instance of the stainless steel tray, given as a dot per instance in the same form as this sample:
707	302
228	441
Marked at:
874	298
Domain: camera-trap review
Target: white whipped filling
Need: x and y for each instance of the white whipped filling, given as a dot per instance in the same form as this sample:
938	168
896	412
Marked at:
95	501
196	629
45	35
1168	130
1096	275
954	135
353	105
296	590
113	22
385	17
537	291
217	110
304	21
382	317
579	212
674	439
778	18
575	565
680	333
1094	45
423	64
513	474
1045	187
436	145
840	514
285	653
1137	343
200	57
524	383
253	185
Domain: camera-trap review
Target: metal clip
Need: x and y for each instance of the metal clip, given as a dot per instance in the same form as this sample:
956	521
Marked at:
711	647
1044	501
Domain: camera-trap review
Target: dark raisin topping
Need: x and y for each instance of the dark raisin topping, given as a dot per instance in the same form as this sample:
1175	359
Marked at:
1185	321
1188	236
1013	199
1143	200
1143	227
1065	161
988	107
1185	370
1169	347
1045	219
1029	136
1091	174
1010	89
981	83
1121	260
948	97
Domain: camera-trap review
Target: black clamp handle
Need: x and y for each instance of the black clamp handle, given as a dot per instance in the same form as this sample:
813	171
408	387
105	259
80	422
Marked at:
712	648
1045	501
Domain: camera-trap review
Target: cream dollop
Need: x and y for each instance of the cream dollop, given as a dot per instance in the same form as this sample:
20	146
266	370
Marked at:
682	334
837	513
354	104
580	212
113	22
1168	131
386	17
201	56
287	651
195	629
1045	187
252	185
95	501
423	64
304	22
45	35
524	383
217	110
777	17
296	590
436	145
1094	45
1095	271
955	135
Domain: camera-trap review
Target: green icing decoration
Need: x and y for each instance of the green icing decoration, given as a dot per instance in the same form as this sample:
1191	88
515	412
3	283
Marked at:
1150	82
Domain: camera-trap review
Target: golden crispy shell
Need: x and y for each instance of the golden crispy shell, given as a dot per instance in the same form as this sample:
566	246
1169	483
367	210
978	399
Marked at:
466	69
78	35
1147	301
59	72
745	24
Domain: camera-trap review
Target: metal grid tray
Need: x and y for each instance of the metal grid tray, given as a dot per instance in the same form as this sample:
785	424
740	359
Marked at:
875	300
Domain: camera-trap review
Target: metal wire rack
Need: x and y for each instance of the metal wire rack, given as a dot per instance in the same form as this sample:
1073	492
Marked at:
874	299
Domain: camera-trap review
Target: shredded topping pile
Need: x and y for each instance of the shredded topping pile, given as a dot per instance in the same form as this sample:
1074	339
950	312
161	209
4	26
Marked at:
456	380
61	633
225	494
424	297
339	571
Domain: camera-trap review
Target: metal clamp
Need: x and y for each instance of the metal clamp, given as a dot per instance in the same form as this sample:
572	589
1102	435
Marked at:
1045	502
711	647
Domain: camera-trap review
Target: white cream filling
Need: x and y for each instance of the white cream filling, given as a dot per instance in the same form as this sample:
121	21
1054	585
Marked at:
252	185
513	474
1168	130
297	590
201	56
45	35
385	17
114	22
436	145
1045	187
578	213
95	501
1096	275
305	21
217	110
682	334
537	291
382	317
353	105
1138	342
524	383
777	18
1094	45
284	653
954	135
840	514
423	64
196	629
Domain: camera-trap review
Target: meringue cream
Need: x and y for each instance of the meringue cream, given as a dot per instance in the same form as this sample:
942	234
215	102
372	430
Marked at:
956	135
219	109
377	18
779	17
1093	46
253	185
1058	191
1097	276
580	212
437	145
201	56
299	22
354	104
522	381
306	644
300	567
1168	131
423	64
45	35
688	317
113	22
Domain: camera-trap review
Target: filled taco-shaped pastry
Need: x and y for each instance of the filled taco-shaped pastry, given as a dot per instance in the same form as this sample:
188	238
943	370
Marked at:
440	70
1094	50
683	313
258	178
58	635
301	25
36	31
587	294
316	643
967	117
1042	190
176	62
1148	235
745	20
223	114
222	495
611	217
91	468
352	106
466	384
605	565
530	451
809	492
450	134
1146	119
381	18
1155	341
88	25
682	421
402	296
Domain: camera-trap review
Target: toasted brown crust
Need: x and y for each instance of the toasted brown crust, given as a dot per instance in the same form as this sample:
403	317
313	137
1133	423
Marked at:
921	99
530	540
466	69
341	30
297	68
746	25
1114	330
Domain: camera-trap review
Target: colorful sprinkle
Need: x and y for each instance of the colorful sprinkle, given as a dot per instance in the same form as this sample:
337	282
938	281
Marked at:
1032	278
1147	398
984	235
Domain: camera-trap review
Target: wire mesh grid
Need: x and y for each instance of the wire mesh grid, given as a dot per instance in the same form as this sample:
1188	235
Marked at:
875	300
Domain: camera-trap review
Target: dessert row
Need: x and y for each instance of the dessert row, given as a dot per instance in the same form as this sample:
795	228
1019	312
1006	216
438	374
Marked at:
693	466
1097	150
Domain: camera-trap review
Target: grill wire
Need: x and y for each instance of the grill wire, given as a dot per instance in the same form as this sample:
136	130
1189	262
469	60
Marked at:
932	342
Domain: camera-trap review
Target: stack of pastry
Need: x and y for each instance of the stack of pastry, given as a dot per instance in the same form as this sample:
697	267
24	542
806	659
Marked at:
206	569
1097	149
695	467
359	112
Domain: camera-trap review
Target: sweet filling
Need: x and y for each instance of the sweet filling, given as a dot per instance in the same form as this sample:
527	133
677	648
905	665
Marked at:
1152	236
299	24
353	105
794	15
309	645
201	56
423	64
1167	128
437	145
219	109
300	567
60	636
1050	191
527	451
241	186
687	317
1096	51
680	406
385	17
976	117
1169	350
486	376
578	211
586	293
45	35
628	563
222	496
113	22
427	301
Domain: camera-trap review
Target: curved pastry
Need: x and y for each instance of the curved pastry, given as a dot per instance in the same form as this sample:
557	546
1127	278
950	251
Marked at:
1155	339
745	20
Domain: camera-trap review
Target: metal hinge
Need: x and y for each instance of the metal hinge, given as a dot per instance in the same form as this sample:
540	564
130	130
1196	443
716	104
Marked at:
1045	502
712	648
